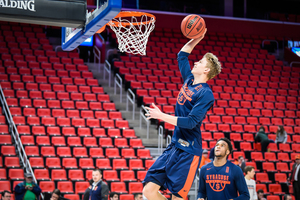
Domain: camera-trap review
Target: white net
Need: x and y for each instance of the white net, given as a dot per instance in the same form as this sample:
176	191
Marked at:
133	33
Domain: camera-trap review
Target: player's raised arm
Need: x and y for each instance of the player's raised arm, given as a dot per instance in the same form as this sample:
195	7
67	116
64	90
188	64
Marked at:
183	62
190	45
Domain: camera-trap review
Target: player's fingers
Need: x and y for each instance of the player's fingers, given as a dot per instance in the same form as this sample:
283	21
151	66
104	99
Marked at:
147	114
149	118
154	106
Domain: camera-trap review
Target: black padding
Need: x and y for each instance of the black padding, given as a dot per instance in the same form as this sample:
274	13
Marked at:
63	13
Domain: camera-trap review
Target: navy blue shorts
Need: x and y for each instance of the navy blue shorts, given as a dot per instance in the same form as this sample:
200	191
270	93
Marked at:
175	169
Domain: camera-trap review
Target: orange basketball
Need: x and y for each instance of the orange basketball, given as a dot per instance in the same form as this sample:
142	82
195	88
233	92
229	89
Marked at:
193	26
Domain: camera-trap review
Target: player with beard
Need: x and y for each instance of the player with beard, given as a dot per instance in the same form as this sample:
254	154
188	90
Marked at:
222	179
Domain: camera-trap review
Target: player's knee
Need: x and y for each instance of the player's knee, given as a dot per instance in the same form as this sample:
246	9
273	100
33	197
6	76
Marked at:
149	191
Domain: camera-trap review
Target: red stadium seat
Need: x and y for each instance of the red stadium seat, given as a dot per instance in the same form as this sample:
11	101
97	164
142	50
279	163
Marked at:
280	177
103	163
136	164
118	187
135	187
80	187
268	167
262	178
282	167
110	175
42	174
127	175
65	187
58	175
275	189
46	186
270	157
76	175
69	163
94	153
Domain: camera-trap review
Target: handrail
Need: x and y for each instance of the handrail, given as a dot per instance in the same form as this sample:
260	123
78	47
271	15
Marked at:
263	44
131	100
168	140
160	139
109	52
119	83
294	62
97	55
108	70
15	134
142	116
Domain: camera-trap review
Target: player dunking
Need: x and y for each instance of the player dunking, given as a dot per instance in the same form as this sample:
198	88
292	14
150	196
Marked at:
222	179
175	169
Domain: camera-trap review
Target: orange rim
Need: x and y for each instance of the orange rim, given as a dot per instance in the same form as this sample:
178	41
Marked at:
132	14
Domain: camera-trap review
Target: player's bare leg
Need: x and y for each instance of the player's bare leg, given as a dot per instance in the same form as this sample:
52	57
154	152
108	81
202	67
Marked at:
176	198
150	191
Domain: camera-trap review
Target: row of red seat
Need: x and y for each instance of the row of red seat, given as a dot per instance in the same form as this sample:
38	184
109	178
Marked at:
67	122
42	61
231	69
23	39
73	175
71	131
69	95
38	52
162	31
66	187
18	30
234	77
84	163
244	137
8	59
41	103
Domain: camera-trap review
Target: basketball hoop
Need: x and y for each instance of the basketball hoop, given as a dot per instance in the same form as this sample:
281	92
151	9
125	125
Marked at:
132	30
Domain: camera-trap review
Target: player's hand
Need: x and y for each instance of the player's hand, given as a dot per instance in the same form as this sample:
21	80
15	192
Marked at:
153	113
202	36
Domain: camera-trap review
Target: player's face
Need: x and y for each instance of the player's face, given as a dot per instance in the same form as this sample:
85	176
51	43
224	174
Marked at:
251	173
200	67
221	149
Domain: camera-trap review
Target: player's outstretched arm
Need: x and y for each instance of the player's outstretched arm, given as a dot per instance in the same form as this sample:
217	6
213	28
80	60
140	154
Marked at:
190	45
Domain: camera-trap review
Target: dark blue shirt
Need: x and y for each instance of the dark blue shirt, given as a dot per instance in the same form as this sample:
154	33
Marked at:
193	102
222	183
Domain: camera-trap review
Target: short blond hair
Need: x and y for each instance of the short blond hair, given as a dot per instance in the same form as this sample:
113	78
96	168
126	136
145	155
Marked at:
213	64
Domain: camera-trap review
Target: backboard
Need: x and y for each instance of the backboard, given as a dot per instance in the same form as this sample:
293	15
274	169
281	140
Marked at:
73	37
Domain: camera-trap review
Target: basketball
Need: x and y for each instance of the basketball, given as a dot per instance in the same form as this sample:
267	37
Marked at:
193	26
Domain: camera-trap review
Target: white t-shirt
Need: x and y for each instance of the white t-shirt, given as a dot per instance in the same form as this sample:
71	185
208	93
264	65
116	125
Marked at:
252	188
